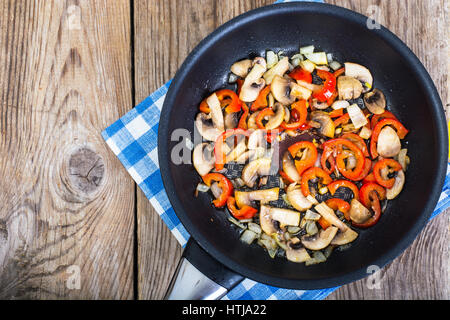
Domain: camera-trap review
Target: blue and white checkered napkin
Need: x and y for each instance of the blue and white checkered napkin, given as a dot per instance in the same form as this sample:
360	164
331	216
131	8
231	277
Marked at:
133	139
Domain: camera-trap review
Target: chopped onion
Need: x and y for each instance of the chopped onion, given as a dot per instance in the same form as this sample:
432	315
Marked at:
311	228
330	57
232	78
202	187
365	133
254	227
272	59
296	62
311	215
335	65
307	49
317	57
237	223
285	199
357	116
307	65
248	236
293	229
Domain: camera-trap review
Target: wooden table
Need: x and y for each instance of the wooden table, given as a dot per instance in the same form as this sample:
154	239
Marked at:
73	225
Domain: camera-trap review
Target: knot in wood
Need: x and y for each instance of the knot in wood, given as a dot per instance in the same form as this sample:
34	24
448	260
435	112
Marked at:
86	170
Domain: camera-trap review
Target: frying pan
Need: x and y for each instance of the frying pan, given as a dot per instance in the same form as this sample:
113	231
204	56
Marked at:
214	249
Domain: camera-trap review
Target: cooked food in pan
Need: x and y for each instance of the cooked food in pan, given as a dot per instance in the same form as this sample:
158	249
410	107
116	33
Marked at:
302	152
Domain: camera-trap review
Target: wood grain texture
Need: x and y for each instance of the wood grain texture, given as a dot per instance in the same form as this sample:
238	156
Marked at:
166	31
66	205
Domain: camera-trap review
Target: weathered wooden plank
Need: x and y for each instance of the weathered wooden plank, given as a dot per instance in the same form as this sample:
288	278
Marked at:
421	272
165	32
67	204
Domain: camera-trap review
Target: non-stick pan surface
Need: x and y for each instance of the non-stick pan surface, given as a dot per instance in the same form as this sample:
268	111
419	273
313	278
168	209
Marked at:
410	93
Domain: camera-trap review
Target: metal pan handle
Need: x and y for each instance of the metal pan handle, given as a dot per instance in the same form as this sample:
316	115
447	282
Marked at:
200	277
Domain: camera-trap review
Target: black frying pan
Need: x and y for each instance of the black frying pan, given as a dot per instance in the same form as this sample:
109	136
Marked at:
410	93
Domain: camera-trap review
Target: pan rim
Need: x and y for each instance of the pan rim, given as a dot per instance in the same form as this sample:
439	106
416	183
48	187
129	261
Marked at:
422	77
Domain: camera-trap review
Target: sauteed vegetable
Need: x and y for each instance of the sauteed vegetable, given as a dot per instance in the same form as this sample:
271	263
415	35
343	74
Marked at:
302	153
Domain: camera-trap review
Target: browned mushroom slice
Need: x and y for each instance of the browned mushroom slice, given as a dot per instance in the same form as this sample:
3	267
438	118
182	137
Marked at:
328	214
297	199
241	68
398	186
276	120
283	217
206	127
375	101
279	69
203	158
349	88
264	196
327	126
358	212
360	73
281	90
289	167
320	240
255	169
295	251
344	237
253	82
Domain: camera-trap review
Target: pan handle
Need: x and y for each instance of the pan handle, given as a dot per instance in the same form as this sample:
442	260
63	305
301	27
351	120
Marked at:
200	277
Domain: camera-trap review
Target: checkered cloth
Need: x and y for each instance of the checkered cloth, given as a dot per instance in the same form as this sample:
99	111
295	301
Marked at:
133	139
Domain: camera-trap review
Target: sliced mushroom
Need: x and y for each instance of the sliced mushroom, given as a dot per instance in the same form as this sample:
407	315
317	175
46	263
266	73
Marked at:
283	217
320	240
299	91
264	195
281	90
206	128
234	154
253	82
360	73
375	101
295	251
349	88
251	122
289	167
327	126
231	120
398	186
344	237
296	198
309	86
279	69
241	68
203	158
316	104
328	214
216	111
255	169
388	144
256	140
340	104
276	120
358	212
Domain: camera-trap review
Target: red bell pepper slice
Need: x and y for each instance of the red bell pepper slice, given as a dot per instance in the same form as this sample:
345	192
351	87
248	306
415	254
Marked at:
377	117
323	223
313	173
246	212
299	114
227	98
301	74
224	184
371	194
242	124
401	132
339	72
336	113
261	100
366	170
306	162
342	154
369	178
332	187
358	141
328	87
341	205
342	120
218	147
383	165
